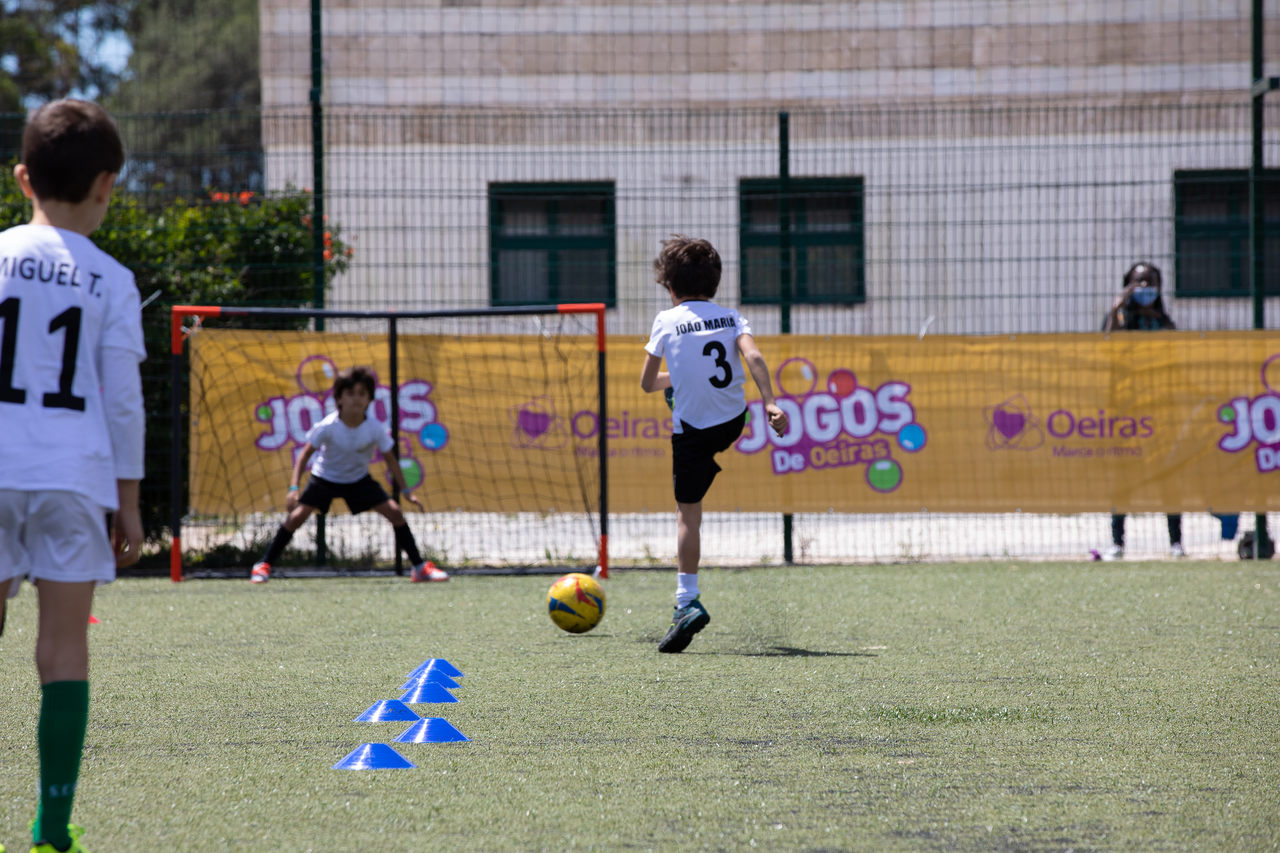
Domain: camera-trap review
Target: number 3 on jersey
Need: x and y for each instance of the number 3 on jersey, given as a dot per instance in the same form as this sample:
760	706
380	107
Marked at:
69	321
716	350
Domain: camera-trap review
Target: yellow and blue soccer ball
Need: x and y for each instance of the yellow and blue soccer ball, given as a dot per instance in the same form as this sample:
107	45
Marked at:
575	603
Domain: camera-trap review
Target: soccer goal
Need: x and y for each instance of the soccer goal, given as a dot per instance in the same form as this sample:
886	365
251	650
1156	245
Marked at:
498	416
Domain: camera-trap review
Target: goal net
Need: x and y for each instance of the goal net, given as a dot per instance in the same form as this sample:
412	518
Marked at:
496	414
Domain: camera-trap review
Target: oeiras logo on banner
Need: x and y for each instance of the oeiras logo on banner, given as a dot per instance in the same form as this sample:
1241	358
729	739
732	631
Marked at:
289	419
1255	421
837	425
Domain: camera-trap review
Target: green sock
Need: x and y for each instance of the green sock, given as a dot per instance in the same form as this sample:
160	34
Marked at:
64	714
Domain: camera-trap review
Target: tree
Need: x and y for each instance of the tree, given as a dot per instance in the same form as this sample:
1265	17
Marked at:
50	49
190	90
234	248
192	82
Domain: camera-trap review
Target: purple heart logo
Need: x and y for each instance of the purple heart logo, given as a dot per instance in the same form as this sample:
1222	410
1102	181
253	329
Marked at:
532	423
1008	423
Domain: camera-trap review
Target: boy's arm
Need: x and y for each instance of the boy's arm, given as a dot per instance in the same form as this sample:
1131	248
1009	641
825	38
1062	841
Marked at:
126	424
760	373
124	409
126	525
652	377
299	468
397	476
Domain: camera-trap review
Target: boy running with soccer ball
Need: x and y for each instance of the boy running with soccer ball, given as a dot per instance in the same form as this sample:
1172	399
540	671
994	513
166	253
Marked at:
343	443
700	341
72	418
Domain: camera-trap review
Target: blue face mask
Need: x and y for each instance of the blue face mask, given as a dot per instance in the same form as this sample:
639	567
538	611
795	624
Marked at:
1146	296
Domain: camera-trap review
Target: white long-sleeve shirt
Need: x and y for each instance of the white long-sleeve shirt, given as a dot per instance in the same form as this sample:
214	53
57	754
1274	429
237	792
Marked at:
71	410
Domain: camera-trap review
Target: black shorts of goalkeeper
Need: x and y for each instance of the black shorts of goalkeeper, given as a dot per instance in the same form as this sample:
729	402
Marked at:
693	450
361	495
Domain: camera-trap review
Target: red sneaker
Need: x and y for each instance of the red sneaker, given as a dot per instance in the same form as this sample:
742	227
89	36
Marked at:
428	572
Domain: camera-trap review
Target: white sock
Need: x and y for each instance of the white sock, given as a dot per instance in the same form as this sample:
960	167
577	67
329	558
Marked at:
686	588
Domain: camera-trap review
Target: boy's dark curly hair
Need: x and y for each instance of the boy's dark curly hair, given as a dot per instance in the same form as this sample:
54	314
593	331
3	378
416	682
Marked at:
353	376
688	267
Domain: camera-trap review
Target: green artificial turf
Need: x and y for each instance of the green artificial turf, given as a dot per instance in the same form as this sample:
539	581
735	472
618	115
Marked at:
995	706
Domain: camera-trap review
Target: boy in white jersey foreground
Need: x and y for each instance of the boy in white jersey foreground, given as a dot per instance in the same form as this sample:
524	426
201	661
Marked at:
345	440
700	341
72	418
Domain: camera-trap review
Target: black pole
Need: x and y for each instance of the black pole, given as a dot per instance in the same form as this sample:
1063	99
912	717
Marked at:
175	464
394	380
784	220
317	210
317	165
1257	224
602	444
784	274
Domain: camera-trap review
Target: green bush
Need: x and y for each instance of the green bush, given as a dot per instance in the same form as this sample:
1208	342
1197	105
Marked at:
226	249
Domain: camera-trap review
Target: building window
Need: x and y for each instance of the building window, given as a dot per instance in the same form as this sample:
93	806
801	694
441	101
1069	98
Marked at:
551	243
1211	232
827	257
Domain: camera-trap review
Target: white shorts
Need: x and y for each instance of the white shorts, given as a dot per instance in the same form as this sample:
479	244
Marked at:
53	535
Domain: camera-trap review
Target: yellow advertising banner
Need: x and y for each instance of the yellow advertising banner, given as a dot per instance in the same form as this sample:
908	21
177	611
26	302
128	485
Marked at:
1037	423
484	421
1134	422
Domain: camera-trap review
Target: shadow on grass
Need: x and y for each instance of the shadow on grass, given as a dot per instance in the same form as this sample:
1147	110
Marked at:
792	652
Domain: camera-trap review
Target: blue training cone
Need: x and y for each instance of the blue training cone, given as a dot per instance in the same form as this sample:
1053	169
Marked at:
431	676
427	691
440	664
431	730
387	711
372	756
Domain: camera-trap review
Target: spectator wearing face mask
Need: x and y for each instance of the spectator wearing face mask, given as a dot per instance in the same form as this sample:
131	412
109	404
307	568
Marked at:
1140	306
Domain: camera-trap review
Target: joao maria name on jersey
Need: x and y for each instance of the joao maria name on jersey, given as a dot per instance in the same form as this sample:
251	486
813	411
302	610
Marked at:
35	269
704	325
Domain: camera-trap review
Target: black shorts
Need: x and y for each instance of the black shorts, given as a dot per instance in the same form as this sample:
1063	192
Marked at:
693	464
363	494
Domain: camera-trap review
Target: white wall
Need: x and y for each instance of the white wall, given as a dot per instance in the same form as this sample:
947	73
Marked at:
985	235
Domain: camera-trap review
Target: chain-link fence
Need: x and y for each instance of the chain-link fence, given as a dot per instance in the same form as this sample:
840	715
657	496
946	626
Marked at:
838	211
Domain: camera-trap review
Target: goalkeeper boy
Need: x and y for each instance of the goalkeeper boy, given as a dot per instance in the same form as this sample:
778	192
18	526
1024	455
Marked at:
343	444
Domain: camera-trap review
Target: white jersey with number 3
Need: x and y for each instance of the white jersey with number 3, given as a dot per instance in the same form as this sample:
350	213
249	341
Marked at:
63	304
698	340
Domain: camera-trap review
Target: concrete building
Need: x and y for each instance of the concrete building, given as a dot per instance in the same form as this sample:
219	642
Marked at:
1010	158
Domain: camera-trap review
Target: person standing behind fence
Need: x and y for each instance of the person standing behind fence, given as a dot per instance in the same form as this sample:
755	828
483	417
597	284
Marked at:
1140	306
72	417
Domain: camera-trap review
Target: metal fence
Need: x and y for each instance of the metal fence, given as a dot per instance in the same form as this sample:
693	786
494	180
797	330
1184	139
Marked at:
894	220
